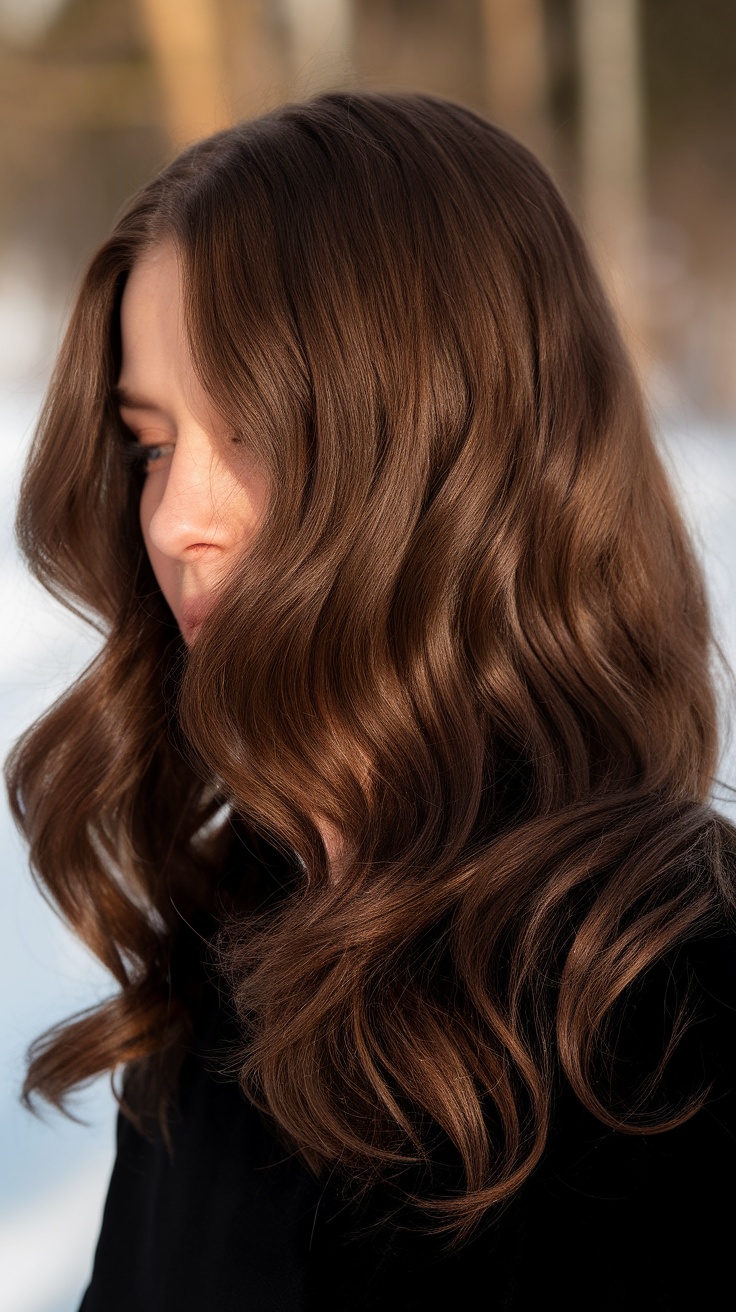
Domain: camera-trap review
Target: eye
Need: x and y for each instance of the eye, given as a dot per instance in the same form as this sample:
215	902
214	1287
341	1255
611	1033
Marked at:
142	456
151	455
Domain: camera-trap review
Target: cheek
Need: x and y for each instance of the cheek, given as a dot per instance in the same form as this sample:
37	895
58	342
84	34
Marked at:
163	566
245	496
260	493
148	503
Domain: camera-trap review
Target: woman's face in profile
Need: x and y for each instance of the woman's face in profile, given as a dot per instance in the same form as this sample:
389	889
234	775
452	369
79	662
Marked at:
202	498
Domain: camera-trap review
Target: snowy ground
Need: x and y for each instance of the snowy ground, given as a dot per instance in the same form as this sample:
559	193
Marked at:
54	1173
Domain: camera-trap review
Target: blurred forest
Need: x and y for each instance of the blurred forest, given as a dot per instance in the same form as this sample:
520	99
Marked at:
630	103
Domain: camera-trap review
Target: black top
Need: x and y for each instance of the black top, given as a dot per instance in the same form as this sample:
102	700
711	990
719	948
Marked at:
607	1221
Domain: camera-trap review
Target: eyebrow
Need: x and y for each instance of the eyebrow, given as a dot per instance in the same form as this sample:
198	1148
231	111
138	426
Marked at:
124	396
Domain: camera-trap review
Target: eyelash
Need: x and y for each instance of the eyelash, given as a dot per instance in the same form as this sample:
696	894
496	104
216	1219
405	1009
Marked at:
137	455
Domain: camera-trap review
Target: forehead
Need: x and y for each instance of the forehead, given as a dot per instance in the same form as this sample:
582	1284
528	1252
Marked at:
156	362
152	298
157	372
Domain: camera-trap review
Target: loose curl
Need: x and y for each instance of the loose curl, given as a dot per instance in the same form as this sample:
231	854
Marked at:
471	634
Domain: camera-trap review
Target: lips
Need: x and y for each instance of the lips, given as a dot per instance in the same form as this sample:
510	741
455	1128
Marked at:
193	615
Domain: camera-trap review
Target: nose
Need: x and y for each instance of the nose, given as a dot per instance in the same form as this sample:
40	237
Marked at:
184	502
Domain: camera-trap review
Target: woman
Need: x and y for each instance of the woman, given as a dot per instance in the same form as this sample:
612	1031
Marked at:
387	799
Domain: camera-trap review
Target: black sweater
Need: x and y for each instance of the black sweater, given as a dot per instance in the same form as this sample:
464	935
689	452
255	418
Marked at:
607	1221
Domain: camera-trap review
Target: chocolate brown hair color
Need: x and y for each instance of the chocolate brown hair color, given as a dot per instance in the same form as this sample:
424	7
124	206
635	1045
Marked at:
471	633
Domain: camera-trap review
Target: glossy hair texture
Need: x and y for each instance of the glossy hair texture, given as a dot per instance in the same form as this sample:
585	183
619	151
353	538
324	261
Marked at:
471	634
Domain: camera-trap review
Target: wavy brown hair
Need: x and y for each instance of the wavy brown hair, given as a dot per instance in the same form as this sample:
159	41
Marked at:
472	634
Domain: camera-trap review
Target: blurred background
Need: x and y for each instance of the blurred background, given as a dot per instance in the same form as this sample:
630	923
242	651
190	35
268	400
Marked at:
630	103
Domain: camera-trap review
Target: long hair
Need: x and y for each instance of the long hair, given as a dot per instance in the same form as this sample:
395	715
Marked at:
471	634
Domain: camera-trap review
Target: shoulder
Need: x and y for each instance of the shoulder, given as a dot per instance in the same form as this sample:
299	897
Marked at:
671	1037
673	1047
683	1011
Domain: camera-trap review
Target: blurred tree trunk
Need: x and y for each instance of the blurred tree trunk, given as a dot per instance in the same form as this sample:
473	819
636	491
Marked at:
515	67
612	150
187	47
320	41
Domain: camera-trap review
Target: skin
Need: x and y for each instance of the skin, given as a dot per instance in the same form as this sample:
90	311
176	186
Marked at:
204	493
